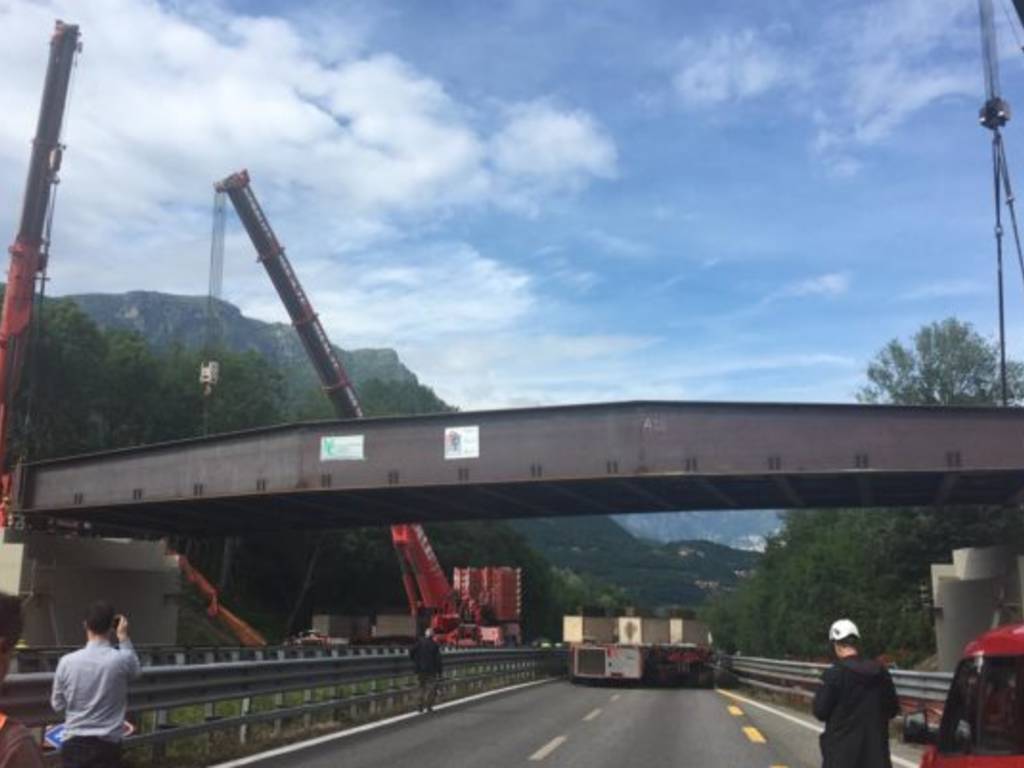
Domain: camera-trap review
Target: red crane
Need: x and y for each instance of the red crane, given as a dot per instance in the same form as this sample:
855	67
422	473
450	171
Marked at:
454	618
30	250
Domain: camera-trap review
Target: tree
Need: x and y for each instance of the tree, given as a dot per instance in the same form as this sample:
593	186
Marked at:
948	363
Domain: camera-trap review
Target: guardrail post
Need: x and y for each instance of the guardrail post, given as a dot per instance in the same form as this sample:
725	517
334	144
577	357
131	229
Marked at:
278	704
160	724
307	698
243	729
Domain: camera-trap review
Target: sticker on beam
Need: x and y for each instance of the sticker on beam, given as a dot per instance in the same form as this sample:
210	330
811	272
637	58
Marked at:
341	448
462	443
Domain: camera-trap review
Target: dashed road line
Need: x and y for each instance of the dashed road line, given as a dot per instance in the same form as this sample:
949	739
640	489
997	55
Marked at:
615	696
800	721
735	711
754	735
548	748
592	714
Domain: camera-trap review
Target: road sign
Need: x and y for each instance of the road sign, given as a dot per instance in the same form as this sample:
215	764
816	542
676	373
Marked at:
53	736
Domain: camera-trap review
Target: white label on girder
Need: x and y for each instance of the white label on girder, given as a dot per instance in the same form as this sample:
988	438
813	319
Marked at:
341	448
462	443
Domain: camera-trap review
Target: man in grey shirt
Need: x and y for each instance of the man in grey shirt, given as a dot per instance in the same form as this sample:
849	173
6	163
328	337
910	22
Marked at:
91	688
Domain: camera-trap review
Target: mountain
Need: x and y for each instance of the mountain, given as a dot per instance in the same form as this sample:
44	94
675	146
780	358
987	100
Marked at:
166	319
741	529
682	573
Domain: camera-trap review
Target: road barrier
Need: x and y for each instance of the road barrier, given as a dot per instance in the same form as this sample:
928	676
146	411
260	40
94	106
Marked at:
803	678
261	699
44	659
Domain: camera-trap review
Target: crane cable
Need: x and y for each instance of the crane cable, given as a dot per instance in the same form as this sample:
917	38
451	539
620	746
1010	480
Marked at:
1013	27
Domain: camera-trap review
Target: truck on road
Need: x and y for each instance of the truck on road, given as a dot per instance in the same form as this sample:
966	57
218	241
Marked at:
631	649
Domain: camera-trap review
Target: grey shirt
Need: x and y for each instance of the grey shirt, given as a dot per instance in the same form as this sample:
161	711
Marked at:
91	688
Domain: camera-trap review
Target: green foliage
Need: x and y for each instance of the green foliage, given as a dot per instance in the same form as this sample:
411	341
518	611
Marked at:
873	565
948	363
650	575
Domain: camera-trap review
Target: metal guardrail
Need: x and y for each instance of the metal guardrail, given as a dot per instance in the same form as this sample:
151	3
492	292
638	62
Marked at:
359	684
44	659
802	678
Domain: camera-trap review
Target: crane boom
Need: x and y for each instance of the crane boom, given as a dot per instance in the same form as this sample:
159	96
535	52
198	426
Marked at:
335	381
426	586
30	249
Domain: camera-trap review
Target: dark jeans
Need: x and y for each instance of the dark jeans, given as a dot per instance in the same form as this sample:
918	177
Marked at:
428	690
90	752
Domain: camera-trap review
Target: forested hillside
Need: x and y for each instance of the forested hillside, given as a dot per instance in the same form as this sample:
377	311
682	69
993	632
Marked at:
649	575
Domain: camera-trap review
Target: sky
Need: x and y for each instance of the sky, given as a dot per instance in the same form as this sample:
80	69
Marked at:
542	202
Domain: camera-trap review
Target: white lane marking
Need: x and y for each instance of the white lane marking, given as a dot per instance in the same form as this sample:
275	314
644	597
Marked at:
548	748
799	721
591	715
289	748
615	697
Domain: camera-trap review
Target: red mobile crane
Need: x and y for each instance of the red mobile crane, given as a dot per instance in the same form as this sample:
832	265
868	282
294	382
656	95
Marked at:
456	616
30	251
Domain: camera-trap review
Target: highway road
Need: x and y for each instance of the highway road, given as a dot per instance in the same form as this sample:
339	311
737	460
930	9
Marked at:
558	725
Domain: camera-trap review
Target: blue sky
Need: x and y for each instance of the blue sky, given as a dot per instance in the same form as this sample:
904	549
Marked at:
541	202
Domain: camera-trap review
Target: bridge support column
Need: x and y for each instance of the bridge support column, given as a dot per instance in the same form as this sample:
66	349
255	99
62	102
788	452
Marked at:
59	576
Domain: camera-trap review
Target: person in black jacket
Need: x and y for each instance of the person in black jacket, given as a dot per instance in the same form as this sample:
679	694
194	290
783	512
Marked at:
426	658
856	700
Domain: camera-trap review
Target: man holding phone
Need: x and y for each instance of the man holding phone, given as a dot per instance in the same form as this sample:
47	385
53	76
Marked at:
90	687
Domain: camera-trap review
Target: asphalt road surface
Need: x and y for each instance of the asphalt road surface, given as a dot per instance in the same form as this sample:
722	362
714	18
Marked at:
558	725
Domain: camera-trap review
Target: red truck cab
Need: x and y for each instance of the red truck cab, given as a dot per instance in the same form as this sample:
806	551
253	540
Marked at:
982	723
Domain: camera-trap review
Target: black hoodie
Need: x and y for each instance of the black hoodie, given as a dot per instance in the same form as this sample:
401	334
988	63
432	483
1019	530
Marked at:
856	700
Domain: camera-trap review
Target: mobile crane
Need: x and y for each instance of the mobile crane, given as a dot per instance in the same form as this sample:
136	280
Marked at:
457	616
30	251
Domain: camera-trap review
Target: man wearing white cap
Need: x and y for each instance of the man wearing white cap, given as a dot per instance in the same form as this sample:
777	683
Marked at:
856	700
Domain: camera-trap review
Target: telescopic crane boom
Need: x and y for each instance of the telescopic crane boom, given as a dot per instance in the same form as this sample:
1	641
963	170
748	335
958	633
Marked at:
426	585
335	381
30	250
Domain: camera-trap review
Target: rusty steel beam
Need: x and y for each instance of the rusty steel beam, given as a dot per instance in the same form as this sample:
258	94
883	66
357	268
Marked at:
568	460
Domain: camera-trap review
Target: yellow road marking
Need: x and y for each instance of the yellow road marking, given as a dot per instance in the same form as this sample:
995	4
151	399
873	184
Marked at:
754	735
591	715
548	748
736	712
778	766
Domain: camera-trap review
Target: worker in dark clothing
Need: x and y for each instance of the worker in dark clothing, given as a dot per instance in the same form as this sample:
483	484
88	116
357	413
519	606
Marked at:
426	658
856	700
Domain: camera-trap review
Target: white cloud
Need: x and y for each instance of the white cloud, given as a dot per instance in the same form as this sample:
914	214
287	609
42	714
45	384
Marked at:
944	289
868	71
409	298
881	64
729	67
832	284
551	149
616	245
352	151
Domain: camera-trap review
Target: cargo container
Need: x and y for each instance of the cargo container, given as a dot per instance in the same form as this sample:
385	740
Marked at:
594	629
394	625
341	626
645	650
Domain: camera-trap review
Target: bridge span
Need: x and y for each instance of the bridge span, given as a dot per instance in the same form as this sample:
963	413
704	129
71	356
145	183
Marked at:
567	460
